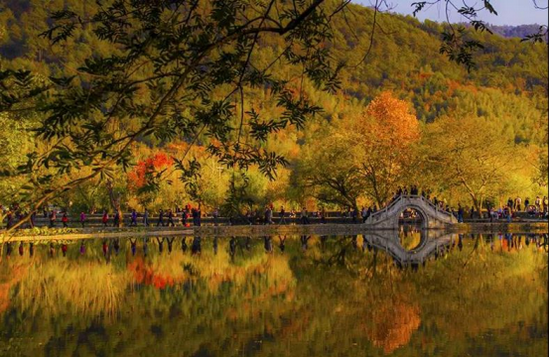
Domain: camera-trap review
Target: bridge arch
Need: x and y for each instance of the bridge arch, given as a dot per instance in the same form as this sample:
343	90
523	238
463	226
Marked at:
432	216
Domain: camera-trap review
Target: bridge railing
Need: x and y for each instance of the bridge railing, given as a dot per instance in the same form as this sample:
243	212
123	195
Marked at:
408	196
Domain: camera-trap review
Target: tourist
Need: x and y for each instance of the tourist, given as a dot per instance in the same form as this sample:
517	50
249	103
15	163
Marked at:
21	249
354	216
510	203
133	218
145	218
304	217
64	249
184	218
460	213
82	218
282	219
215	215
65	219
116	219
170	218
105	218
268	215
161	218
526	207
537	203
53	217
518	204
9	218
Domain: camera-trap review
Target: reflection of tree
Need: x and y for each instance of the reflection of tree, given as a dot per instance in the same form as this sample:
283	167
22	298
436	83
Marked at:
394	323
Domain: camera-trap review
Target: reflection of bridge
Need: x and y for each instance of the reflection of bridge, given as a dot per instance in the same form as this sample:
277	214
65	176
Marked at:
432	216
430	244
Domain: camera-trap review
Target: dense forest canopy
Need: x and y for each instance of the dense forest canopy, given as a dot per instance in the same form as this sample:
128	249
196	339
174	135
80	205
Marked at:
293	99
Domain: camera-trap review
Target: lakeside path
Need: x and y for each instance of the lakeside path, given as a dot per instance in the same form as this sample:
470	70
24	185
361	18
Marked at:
538	227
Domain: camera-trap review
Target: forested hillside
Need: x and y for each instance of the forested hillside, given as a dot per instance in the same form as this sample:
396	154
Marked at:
496	149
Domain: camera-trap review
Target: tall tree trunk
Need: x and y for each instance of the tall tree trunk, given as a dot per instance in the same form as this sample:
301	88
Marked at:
115	203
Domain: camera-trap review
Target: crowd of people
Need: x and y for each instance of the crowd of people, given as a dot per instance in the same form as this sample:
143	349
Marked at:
189	215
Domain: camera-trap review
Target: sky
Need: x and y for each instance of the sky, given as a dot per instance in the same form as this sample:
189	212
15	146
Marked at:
510	12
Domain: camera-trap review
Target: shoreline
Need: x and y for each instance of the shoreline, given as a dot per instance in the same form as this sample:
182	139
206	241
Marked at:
538	227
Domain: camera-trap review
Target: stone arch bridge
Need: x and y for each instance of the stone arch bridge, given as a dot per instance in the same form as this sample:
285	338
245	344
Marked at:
433	217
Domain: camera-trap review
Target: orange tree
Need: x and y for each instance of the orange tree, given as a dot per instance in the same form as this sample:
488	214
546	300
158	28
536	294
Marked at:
381	141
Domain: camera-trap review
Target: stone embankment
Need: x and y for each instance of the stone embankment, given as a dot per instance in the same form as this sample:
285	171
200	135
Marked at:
261	230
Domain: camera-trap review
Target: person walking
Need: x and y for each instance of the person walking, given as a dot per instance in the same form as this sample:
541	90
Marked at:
511	203
161	218
53	217
116	219
184	218
133	218
215	215
170	218
268	215
82	218
304	217
65	219
105	218
460	213
354	216
282	219
518	204
145	218
537	204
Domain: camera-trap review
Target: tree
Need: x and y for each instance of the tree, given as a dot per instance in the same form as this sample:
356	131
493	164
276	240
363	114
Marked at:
326	167
466	153
381	141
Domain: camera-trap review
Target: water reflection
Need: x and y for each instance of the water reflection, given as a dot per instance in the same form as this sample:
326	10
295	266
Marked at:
308	295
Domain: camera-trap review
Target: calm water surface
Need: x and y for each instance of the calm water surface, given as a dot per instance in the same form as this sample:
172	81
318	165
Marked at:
372	294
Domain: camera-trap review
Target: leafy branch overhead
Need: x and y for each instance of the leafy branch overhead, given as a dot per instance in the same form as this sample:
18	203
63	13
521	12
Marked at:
177	70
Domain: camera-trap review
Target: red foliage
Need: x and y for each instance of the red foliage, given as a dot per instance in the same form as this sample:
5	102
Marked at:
144	274
137	177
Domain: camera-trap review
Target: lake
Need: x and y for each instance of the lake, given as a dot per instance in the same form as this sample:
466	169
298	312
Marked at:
376	293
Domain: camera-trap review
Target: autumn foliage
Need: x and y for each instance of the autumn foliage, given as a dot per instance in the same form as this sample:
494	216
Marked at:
138	177
384	135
